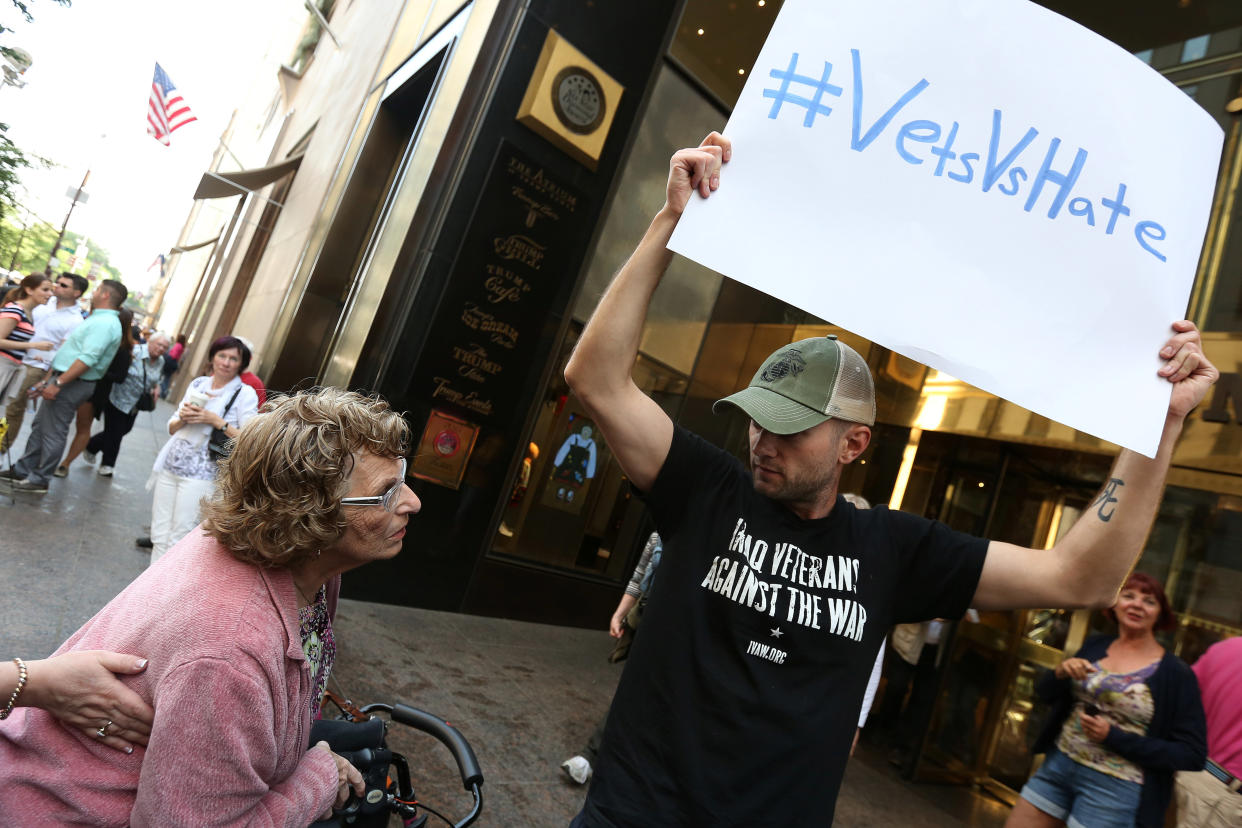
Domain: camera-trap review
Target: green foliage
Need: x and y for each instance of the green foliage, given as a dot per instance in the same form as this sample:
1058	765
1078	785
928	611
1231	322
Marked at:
12	161
24	8
36	245
26	247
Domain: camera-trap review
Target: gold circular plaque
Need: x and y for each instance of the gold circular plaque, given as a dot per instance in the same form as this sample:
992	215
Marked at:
578	100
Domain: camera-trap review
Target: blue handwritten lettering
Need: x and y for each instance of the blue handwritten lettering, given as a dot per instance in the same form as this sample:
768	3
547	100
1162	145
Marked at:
782	95
1118	207
925	132
807	93
969	175
1149	230
1082	207
945	152
993	170
1014	186
860	144
1064	181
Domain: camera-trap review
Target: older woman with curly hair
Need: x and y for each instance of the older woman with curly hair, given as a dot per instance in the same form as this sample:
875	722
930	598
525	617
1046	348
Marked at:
236	624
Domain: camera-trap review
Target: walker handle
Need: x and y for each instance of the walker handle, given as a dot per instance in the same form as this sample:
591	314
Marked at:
449	736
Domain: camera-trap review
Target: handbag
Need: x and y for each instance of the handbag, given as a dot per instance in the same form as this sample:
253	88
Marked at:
219	444
146	402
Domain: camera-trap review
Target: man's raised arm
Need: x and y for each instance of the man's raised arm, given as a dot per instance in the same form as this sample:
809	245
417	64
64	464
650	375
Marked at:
1089	565
600	371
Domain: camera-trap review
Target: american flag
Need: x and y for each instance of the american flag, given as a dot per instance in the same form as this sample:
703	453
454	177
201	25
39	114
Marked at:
167	111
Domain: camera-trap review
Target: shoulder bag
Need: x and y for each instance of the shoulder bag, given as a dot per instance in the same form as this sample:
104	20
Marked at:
219	444
146	402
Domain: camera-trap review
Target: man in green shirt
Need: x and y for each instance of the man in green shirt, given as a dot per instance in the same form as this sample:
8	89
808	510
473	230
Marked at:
81	360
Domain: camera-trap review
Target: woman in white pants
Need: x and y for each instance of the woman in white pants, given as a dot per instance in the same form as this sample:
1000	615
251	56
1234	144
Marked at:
185	472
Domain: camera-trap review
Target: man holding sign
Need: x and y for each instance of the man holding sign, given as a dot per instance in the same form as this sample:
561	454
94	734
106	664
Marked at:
775	593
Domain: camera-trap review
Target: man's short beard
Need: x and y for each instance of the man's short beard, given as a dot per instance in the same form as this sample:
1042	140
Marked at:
800	490
809	487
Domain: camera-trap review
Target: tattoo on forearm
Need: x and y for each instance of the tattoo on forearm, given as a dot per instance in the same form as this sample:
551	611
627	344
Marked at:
1107	498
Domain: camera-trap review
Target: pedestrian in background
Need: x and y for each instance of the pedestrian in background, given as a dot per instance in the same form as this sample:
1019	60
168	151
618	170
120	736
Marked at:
249	377
53	322
877	667
1212	797
79	363
623	626
93	408
1126	715
920	651
172	361
17	331
137	392
185	472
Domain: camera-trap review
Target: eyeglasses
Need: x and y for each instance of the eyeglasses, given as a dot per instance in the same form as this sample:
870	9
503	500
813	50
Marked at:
388	499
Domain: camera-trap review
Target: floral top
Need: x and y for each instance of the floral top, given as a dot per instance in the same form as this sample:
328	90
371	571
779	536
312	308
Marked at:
190	458
1124	699
318	645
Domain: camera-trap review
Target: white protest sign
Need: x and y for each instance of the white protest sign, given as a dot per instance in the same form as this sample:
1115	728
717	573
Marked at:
981	185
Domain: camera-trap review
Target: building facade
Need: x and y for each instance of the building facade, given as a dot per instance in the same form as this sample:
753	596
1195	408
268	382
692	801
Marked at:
419	228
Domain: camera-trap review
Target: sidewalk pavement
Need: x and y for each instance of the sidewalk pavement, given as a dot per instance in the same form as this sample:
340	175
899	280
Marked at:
526	696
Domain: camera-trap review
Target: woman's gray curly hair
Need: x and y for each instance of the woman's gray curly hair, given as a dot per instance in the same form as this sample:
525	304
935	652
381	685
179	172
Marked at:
277	499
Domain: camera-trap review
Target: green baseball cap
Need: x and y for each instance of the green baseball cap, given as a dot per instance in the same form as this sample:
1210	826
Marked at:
806	383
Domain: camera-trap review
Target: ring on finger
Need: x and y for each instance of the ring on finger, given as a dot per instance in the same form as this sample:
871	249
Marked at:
103	731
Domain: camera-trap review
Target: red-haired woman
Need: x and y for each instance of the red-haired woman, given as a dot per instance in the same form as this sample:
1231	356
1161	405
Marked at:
1126	715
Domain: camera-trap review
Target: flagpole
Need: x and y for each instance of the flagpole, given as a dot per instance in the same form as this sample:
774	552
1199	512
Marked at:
227	149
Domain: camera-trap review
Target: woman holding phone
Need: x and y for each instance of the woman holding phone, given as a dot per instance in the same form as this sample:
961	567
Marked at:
1126	715
184	471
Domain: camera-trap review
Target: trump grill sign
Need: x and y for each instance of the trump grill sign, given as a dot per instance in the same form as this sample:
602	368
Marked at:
981	185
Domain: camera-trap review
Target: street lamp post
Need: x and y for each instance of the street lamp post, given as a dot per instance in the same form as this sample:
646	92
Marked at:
76	198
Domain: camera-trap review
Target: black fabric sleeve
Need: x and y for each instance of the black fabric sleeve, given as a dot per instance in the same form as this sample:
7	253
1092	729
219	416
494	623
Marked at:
691	465
1049	688
940	568
1183	746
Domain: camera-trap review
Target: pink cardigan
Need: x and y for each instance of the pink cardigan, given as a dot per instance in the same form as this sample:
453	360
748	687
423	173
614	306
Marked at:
231	691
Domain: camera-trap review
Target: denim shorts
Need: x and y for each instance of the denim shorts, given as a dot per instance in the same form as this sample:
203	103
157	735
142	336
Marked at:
1081	796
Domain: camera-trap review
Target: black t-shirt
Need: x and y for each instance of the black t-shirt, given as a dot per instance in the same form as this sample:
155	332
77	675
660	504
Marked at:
741	695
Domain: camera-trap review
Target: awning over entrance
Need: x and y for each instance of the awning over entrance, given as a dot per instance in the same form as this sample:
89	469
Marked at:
187	248
223	185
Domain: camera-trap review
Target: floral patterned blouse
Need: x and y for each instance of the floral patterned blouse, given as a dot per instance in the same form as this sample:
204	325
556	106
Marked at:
1124	699
318	645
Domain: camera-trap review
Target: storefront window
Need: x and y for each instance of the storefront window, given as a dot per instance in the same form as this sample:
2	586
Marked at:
718	42
571	507
1195	550
677	116
1208	68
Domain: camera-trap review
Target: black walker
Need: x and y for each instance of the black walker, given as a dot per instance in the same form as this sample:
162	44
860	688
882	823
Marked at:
359	736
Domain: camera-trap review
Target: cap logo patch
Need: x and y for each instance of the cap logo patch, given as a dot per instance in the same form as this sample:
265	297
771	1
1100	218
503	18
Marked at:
789	364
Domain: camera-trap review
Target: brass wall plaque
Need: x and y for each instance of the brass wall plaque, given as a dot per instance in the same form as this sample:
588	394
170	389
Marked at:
444	449
570	101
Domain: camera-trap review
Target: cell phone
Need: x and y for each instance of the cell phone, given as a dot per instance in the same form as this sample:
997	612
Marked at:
1090	709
